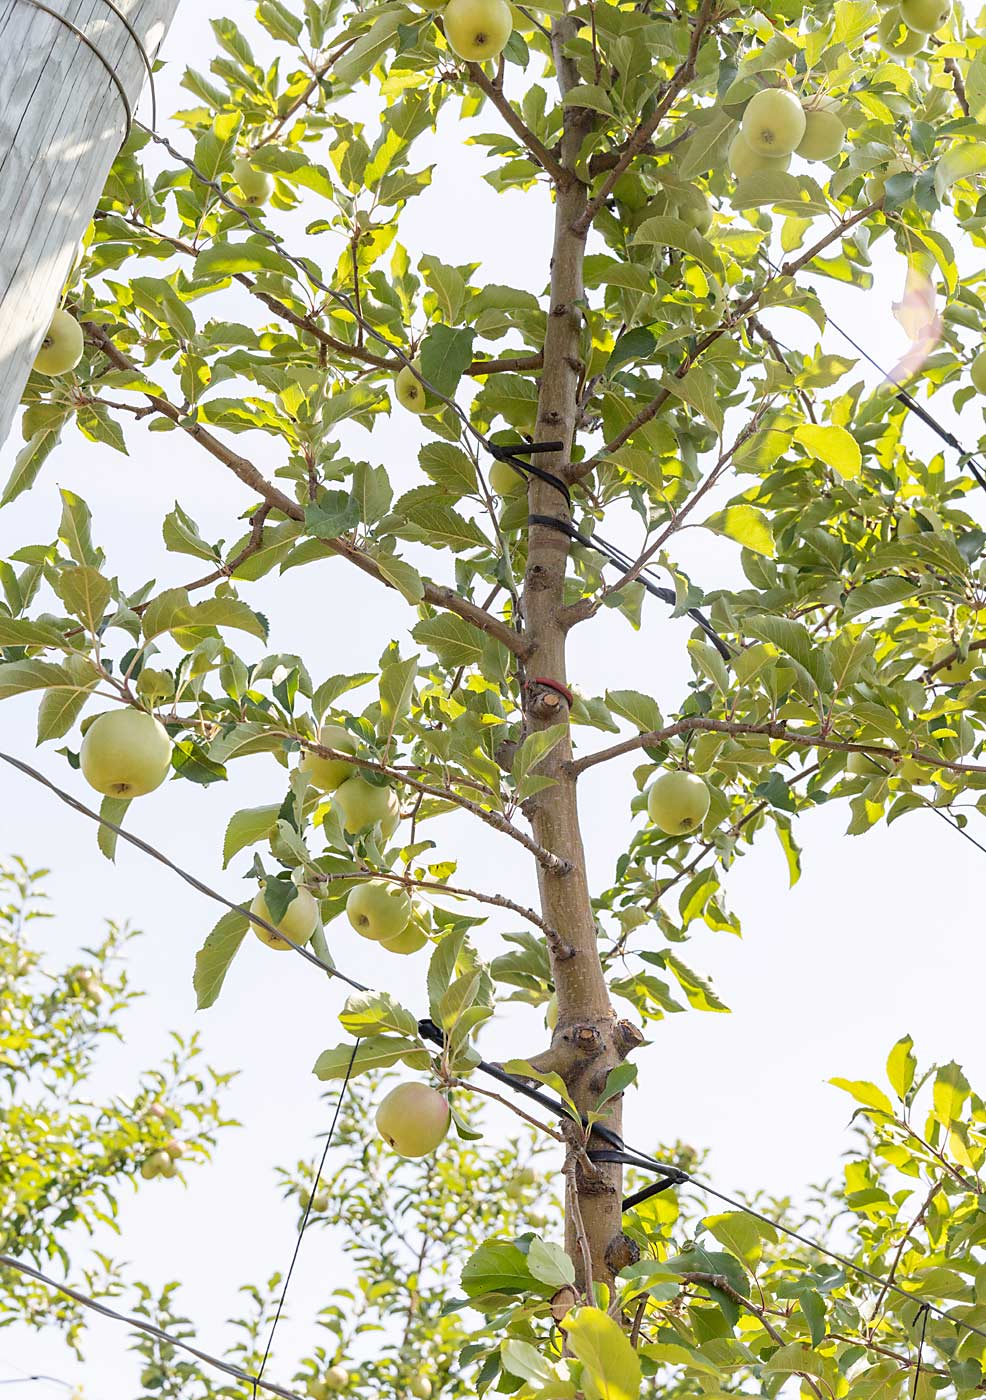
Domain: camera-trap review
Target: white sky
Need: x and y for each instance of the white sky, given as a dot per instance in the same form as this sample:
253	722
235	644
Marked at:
881	936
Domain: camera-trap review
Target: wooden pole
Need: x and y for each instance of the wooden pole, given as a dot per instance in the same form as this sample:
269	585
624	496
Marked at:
62	122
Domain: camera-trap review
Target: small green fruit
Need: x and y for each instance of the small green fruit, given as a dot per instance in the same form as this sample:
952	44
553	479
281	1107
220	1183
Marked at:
363	804
825	134
420	1387
327	774
409	390
125	753
744	161
896	38
773	122
678	802
255	186
61	350
154	1165
477	30
409	940
414	1119
926	16
378	910
297	925
336	1378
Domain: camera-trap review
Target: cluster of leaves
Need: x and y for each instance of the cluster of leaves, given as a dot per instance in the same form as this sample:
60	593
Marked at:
65	1157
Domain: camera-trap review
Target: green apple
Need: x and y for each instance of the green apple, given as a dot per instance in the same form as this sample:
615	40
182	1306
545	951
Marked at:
363	804
174	1148
410	391
527	1176
125	753
378	910
678	802
327	774
255	186
391	819
926	16
629	190
154	1165
977	371
318	1390
896	38
409	940
169	1167
477	29
414	1119
514	1191
825	133
505	481
297	925
773	122
743	160
320	1201
958	671
61	349
336	1378
420	1387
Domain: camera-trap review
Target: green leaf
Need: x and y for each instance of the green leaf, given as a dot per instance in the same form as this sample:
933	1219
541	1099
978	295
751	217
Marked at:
745	524
641	710
75	530
901	1067
535	750
865	1093
402	575
181	536
248	825
448	467
396	690
950	1091
19	676
878	593
372	1013
226	259
114	809
832	445
61	706
958	163
445	356
698	389
214	957
521	1359
455	642
497	1266
550	1264
29	461
22	632
675	233
610	1365
85	593
376	1052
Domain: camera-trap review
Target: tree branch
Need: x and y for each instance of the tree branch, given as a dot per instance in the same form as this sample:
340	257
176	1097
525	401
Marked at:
682	76
492	818
517	125
772	731
434	594
788	269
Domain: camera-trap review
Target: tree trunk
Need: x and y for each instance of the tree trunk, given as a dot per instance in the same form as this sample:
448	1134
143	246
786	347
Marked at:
62	122
588	1041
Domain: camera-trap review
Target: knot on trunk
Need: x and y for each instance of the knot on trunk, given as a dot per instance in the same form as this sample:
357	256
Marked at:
621	1252
544	704
627	1037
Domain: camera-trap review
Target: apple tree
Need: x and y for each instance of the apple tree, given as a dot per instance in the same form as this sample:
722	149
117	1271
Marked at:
707	168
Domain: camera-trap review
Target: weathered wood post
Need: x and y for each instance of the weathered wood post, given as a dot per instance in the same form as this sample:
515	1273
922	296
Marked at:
62	121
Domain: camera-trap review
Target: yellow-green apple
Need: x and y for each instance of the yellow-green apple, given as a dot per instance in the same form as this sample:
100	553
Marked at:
926	16
255	186
61	349
297	924
378	910
477	29
125	753
896	38
363	804
825	132
743	160
328	773
410	391
414	1119
409	940
773	122
678	802
505	481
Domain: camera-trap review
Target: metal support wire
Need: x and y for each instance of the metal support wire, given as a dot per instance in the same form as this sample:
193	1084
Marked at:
94	49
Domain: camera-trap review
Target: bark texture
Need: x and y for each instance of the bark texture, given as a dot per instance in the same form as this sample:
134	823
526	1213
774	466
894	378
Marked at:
588	1040
61	124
